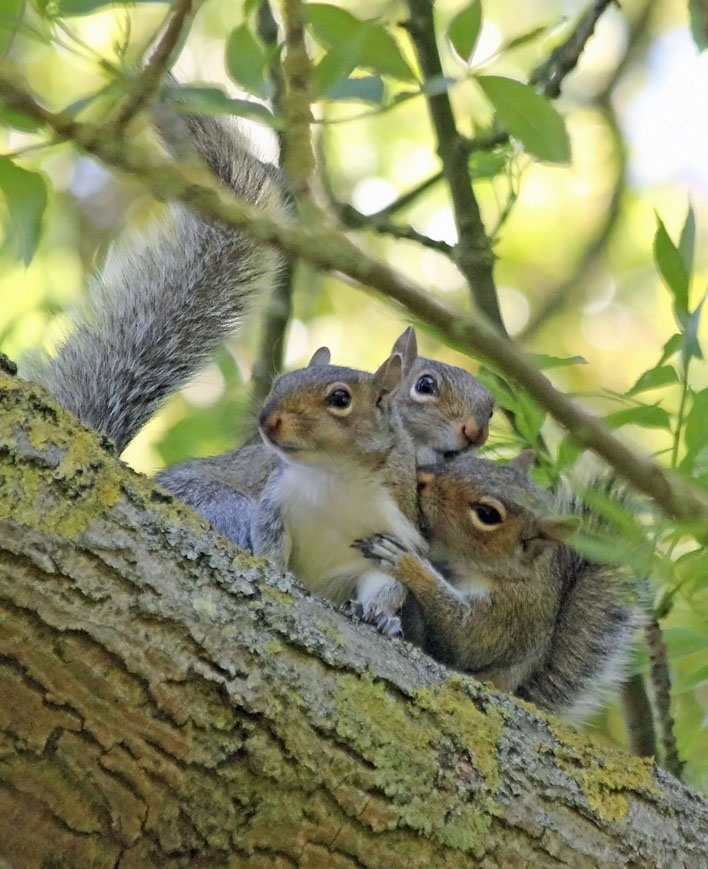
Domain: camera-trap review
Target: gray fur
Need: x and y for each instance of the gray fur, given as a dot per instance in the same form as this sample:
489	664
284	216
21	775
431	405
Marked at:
164	301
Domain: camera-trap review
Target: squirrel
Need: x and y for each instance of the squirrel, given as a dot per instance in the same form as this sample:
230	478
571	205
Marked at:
443	407
161	305
502	596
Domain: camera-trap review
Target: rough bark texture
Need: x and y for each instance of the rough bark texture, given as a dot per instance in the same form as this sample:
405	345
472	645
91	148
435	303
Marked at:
167	701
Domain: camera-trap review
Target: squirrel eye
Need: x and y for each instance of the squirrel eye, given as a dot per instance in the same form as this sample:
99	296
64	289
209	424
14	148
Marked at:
426	385
487	514
339	398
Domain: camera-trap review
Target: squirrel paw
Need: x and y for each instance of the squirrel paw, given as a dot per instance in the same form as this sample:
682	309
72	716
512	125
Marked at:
385	623
384	550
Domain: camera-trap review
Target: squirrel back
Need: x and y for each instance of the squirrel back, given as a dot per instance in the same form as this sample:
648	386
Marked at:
165	299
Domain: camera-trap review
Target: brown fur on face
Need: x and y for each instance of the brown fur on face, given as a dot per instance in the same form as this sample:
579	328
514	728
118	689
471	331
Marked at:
450	495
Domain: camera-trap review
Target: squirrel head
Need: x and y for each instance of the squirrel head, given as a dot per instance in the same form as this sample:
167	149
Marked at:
488	517
330	416
444	408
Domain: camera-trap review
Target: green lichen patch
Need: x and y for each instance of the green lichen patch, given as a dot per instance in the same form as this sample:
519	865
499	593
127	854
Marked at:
405	746
471	729
603	774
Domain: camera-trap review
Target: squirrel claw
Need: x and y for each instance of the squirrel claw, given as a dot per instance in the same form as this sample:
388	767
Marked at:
388	625
381	548
354	609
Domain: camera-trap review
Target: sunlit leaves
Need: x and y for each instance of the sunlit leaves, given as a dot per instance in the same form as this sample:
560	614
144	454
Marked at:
69	8
662	375
529	117
25	195
213	101
698	12
464	28
646	415
246	61
671	267
352	43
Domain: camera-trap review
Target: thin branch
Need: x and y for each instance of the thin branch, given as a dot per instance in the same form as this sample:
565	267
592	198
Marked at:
354	218
661	680
563	60
278	311
566	291
330	249
161	61
639	717
473	252
405	199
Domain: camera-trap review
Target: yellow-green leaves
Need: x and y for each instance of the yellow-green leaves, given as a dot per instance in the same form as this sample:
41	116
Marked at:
464	30
529	117
25	195
246	61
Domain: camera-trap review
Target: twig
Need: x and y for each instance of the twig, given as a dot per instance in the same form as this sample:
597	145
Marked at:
473	252
661	680
162	59
276	317
328	248
563	60
351	216
565	292
405	199
639	717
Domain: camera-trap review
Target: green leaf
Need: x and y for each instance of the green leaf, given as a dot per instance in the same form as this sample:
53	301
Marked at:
687	241
196	99
246	60
69	8
529	117
544	361
26	200
662	375
673	345
487	164
338	63
464	28
698	12
691	348
369	88
331	24
568	453
14	118
670	265
524	38
695	433
685	641
691	680
645	415
528	418
380	52
10	17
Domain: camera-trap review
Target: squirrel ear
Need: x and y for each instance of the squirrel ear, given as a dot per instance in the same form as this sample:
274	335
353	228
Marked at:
524	461
407	346
387	378
320	357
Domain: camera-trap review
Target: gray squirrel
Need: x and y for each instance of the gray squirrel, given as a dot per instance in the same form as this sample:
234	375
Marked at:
502	597
163	303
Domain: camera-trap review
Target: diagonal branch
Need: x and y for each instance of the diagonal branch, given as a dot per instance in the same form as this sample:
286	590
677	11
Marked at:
473	252
330	249
161	61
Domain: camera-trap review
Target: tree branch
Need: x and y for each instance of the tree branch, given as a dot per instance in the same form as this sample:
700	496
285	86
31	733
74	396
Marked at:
170	701
473	253
329	249
661	681
161	61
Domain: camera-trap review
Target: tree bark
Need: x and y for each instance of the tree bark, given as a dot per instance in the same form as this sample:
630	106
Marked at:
166	700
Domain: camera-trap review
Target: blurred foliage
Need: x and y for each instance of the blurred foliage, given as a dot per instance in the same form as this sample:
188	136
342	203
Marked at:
624	334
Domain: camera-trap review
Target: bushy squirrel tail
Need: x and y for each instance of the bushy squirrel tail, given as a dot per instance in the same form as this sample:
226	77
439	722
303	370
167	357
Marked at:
166	298
597	618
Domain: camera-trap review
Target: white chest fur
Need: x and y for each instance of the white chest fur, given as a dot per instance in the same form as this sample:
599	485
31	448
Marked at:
324	511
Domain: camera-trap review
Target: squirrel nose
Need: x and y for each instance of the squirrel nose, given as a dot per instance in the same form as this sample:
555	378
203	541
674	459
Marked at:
474	434
271	424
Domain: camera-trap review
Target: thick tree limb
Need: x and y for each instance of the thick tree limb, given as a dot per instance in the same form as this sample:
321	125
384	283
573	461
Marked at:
169	702
330	249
